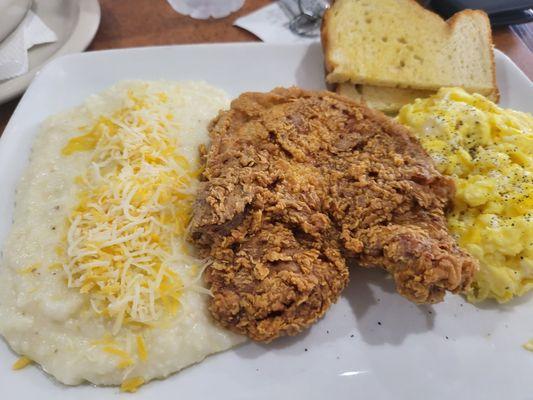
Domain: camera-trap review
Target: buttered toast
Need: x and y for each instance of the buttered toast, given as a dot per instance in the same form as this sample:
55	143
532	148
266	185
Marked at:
399	44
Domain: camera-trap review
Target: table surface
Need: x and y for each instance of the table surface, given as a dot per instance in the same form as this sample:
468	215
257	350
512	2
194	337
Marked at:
153	22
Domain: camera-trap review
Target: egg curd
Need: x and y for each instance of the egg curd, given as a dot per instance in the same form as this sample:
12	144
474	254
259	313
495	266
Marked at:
488	151
97	281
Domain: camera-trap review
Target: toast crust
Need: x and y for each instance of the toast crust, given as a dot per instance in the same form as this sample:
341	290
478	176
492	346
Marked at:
452	21
324	39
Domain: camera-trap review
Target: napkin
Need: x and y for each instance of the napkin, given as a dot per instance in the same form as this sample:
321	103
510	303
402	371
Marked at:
14	49
271	24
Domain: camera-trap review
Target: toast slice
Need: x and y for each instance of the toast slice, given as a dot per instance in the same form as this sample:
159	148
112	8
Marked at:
386	99
398	43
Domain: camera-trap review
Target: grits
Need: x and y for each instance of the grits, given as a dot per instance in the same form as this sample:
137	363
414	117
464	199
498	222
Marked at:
50	310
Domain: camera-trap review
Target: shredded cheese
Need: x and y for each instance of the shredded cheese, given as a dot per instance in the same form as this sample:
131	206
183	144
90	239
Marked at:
116	351
131	385
126	234
141	349
22	362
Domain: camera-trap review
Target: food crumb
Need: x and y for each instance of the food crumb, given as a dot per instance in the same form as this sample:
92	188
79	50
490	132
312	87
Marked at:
22	362
528	345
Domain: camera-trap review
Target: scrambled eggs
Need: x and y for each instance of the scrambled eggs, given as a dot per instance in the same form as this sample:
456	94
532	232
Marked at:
488	151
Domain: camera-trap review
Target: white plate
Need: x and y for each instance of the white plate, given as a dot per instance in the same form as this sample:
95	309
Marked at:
75	23
12	12
372	344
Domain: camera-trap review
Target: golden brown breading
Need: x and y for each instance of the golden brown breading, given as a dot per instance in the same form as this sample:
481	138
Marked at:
297	182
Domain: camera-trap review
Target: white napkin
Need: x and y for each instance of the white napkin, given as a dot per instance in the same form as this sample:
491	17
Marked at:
203	9
14	49
271	24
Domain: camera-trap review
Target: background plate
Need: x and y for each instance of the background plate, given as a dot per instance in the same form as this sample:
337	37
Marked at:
372	344
75	23
12	12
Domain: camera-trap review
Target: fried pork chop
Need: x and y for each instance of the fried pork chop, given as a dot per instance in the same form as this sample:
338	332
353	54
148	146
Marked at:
297	183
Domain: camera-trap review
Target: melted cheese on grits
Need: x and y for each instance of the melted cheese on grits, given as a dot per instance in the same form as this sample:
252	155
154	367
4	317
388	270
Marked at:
488	151
97	282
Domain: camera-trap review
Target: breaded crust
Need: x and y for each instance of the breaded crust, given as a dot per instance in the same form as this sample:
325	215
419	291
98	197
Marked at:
298	182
